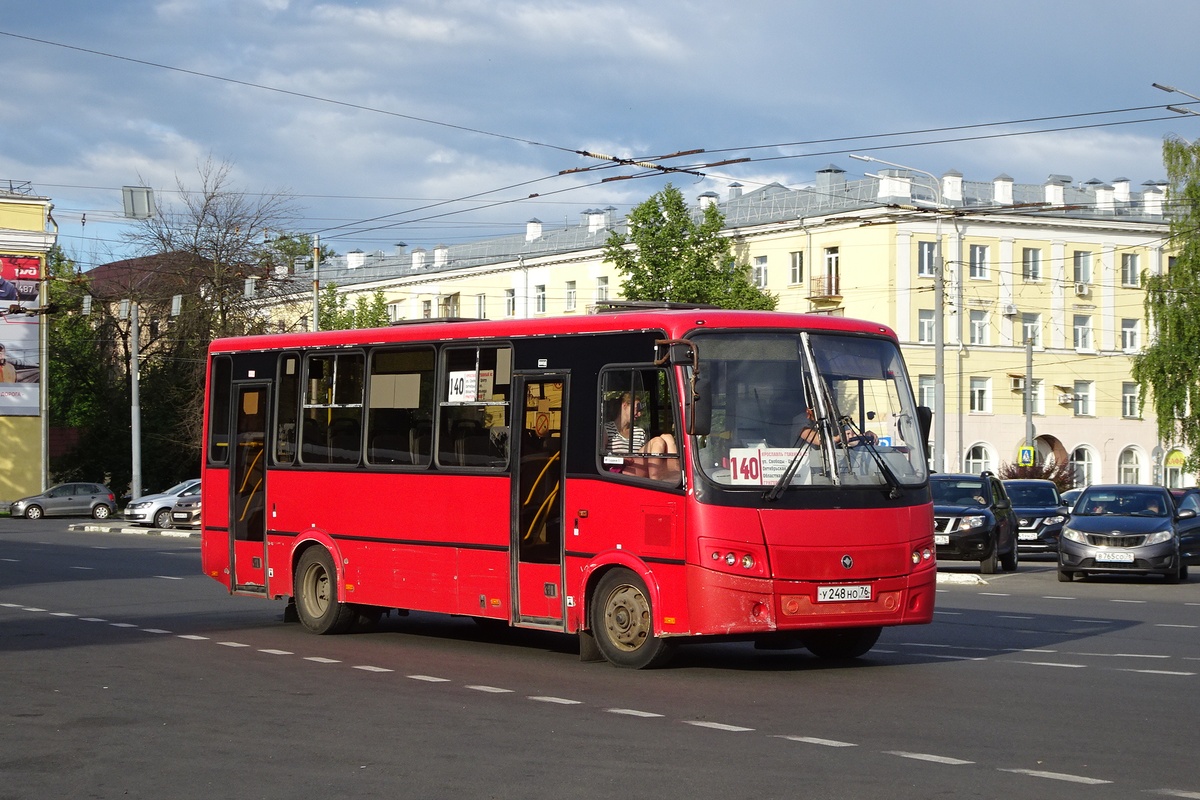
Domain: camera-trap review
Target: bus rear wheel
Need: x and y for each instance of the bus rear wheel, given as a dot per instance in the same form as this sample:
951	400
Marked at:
623	622
315	592
841	643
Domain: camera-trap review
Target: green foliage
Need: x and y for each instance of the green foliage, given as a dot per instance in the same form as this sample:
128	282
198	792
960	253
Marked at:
669	256
1048	470
335	312
1168	370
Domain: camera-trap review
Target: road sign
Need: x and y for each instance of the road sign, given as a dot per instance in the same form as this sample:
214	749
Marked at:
1025	456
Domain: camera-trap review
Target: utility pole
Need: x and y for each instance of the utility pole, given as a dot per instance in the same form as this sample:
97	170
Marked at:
1028	392
316	281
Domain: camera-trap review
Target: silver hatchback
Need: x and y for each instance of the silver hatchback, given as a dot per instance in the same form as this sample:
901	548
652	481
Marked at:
67	499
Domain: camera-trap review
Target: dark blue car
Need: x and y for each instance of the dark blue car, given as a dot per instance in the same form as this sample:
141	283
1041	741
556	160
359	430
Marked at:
1040	512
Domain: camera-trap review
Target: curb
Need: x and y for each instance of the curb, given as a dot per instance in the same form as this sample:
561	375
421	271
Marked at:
94	527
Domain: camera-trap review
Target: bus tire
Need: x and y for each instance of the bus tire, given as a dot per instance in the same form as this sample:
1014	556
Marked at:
841	643
623	622
315	591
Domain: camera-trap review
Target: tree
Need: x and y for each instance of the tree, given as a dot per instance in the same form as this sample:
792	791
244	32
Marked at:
671	256
334	312
1048	470
1167	369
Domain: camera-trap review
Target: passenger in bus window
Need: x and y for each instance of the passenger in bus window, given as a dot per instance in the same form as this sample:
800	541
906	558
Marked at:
620	434
664	463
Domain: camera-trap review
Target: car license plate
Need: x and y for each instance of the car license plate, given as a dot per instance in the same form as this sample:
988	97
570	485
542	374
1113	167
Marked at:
1114	558
841	594
1027	535
941	538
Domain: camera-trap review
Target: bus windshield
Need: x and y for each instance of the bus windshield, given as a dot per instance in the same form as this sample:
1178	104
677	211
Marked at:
795	409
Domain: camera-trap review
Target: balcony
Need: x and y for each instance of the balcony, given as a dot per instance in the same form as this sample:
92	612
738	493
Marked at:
825	289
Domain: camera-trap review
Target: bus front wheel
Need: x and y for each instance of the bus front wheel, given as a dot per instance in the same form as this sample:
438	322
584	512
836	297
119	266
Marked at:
841	643
315	592
623	622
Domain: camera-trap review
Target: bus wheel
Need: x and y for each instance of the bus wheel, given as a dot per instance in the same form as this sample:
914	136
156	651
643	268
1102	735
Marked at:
623	624
841	643
315	591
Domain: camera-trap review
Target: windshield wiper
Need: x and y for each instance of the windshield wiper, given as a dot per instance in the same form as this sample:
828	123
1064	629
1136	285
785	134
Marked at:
865	440
785	479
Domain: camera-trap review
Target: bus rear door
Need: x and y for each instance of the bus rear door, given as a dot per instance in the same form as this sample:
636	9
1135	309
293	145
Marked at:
537	520
247	501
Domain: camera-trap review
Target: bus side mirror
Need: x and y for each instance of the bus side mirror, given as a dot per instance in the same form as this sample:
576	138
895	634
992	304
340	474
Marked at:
699	407
925	422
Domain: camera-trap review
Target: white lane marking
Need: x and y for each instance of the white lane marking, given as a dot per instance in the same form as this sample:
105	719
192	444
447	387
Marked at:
1176	793
562	701
93	619
10	605
492	689
1013	616
31	608
957	658
816	740
1170	625
322	660
1027	650
232	644
1119	655
82	568
716	726
1135	602
154	630
1159	672
1056	597
429	678
271	652
1092	621
369	668
1051	664
949	613
632	712
169	577
122	624
1056	776
954	762
994	594
62	614
193	637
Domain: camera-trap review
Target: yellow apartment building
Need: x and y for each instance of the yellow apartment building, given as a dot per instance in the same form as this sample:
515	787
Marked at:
26	236
1045	273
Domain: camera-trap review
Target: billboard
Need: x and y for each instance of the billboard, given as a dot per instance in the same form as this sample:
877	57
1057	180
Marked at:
20	356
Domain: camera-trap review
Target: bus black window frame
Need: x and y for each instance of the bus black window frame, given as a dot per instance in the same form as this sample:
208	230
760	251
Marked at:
342	396
458	444
285	448
411	434
221	399
654	386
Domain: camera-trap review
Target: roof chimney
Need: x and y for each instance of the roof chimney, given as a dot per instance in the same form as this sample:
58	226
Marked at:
952	187
1104	199
1056	189
735	191
440	255
418	258
1002	193
355	259
707	199
533	229
832	177
1152	199
595	220
894	184
1121	190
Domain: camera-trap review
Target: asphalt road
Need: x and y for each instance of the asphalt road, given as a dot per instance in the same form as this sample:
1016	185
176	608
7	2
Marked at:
126	673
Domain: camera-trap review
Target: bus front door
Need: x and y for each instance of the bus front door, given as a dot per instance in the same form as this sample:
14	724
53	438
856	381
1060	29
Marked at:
247	503
537	519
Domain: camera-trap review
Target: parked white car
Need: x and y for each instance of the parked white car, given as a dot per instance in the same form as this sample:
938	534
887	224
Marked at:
155	509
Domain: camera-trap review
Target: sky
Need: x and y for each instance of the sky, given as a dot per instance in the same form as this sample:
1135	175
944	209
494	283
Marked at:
441	121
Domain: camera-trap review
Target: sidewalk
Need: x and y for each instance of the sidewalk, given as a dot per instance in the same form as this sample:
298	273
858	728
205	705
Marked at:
119	526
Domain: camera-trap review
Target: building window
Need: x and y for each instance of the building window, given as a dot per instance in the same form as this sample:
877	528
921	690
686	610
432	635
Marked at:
925	391
481	306
1129	467
1083	332
981	400
539	298
1129	400
1031	264
925	326
979	460
759	274
426	309
1083	266
510	302
570	296
448	306
1083	398
602	290
1038	397
1082	466
796	276
1131	275
1131	338
1031	329
979	262
979	327
925	262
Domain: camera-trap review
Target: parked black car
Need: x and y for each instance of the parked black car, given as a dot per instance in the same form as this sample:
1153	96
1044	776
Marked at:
1040	512
973	520
1123	529
1188	528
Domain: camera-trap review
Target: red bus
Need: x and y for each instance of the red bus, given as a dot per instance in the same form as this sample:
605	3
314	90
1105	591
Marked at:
635	477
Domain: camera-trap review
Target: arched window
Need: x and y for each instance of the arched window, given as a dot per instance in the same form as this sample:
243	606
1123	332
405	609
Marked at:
979	459
1129	466
1083	466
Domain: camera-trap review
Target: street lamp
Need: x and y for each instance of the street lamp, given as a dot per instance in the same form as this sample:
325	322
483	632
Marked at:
939	358
1178	109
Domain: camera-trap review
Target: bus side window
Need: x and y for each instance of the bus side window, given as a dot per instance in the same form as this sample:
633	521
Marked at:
637	425
218	418
399	405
